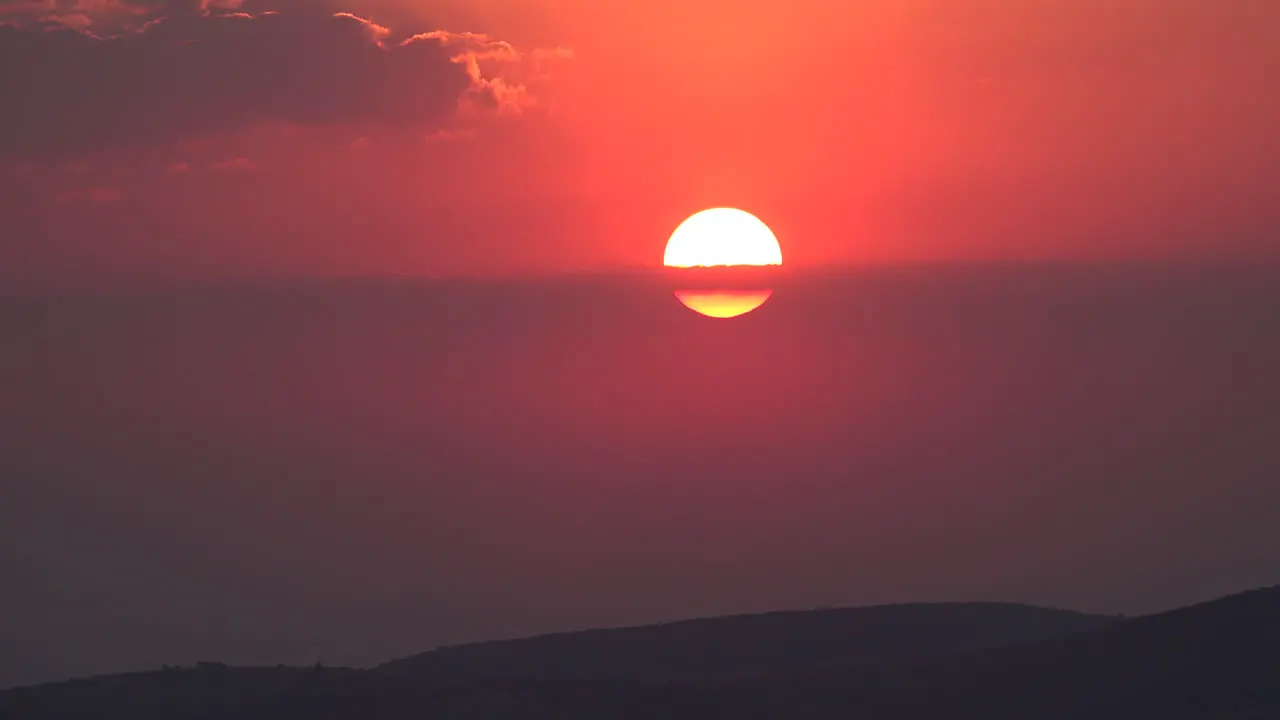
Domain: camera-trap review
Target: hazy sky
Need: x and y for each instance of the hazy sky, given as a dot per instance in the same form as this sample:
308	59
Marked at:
145	138
354	472
293	471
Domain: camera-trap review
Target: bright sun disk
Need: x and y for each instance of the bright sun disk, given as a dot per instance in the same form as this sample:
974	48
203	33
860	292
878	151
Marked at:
722	236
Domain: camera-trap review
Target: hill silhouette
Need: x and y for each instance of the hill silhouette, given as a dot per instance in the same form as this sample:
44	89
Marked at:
788	641
1215	660
1219	659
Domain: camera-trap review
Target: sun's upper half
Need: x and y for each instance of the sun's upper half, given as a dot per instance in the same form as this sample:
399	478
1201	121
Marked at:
722	236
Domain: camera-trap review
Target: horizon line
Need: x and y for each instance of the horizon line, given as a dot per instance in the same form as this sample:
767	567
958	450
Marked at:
167	284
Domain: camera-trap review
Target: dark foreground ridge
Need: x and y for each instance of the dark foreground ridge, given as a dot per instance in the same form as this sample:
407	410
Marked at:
1215	660
738	645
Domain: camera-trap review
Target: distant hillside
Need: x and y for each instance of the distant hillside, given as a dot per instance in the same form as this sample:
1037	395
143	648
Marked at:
753	644
1214	661
1218	660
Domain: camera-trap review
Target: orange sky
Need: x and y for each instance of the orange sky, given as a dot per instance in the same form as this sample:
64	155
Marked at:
861	132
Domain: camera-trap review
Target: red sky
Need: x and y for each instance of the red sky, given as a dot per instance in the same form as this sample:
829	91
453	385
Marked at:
180	142
363	470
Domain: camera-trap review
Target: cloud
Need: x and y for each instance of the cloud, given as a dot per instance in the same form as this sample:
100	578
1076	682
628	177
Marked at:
204	68
110	14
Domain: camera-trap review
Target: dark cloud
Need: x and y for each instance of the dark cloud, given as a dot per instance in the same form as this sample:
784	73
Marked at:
200	69
107	16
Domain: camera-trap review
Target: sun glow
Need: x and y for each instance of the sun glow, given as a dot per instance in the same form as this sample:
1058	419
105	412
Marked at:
722	236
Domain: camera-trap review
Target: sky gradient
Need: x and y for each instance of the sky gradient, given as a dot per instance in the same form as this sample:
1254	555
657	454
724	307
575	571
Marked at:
148	140
300	357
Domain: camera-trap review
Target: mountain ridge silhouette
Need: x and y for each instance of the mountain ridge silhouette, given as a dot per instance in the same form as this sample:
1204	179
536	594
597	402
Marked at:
753	643
1208	661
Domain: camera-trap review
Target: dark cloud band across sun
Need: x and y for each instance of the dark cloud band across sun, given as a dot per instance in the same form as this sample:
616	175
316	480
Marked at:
202	68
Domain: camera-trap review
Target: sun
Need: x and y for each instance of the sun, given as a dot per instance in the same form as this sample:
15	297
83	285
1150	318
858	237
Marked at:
706	247
722	236
723	303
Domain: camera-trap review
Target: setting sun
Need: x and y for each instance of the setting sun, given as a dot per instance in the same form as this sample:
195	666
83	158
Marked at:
722	236
723	303
710	250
